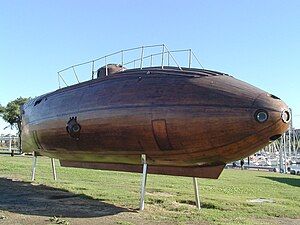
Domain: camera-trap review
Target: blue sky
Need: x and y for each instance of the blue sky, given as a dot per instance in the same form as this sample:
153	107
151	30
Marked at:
256	41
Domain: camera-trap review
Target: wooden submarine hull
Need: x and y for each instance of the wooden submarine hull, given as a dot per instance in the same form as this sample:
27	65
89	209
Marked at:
187	123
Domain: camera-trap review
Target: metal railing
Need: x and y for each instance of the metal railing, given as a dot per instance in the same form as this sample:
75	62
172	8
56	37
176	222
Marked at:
9	144
167	58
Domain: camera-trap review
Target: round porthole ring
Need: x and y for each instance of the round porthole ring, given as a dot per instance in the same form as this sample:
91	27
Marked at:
285	116
75	128
261	112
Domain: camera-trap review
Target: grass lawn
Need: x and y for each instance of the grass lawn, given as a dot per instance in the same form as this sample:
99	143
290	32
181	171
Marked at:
170	200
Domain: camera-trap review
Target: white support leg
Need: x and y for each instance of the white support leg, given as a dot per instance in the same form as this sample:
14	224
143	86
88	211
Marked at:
53	169
197	199
9	146
143	183
33	166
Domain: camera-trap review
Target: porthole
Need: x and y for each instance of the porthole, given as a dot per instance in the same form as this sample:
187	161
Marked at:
73	128
261	116
285	116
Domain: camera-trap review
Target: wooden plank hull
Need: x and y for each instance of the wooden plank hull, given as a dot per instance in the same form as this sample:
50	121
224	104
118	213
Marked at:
178	119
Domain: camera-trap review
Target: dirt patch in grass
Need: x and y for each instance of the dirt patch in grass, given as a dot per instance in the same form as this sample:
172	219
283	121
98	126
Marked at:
279	221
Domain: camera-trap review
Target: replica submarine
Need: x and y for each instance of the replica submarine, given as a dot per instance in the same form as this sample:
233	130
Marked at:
187	121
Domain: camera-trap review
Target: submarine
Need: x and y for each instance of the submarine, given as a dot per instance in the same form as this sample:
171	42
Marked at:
187	121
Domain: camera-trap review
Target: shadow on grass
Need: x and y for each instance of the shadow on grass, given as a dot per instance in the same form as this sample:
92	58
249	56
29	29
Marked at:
286	180
203	205
25	198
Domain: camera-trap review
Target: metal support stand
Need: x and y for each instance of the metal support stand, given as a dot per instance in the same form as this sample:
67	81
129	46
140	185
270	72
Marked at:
281	155
197	199
53	169
34	160
143	183
33	166
284	153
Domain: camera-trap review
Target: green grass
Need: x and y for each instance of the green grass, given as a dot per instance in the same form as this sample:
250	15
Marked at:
171	199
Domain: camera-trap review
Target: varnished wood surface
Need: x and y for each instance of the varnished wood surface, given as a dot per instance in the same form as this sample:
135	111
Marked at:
175	118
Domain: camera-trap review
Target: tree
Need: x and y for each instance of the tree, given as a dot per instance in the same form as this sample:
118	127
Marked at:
1	109
12	114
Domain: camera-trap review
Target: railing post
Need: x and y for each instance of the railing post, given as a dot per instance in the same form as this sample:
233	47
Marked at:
60	77
173	58
58	80
142	56
75	74
93	67
151	60
106	72
197	59
162	56
190	57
